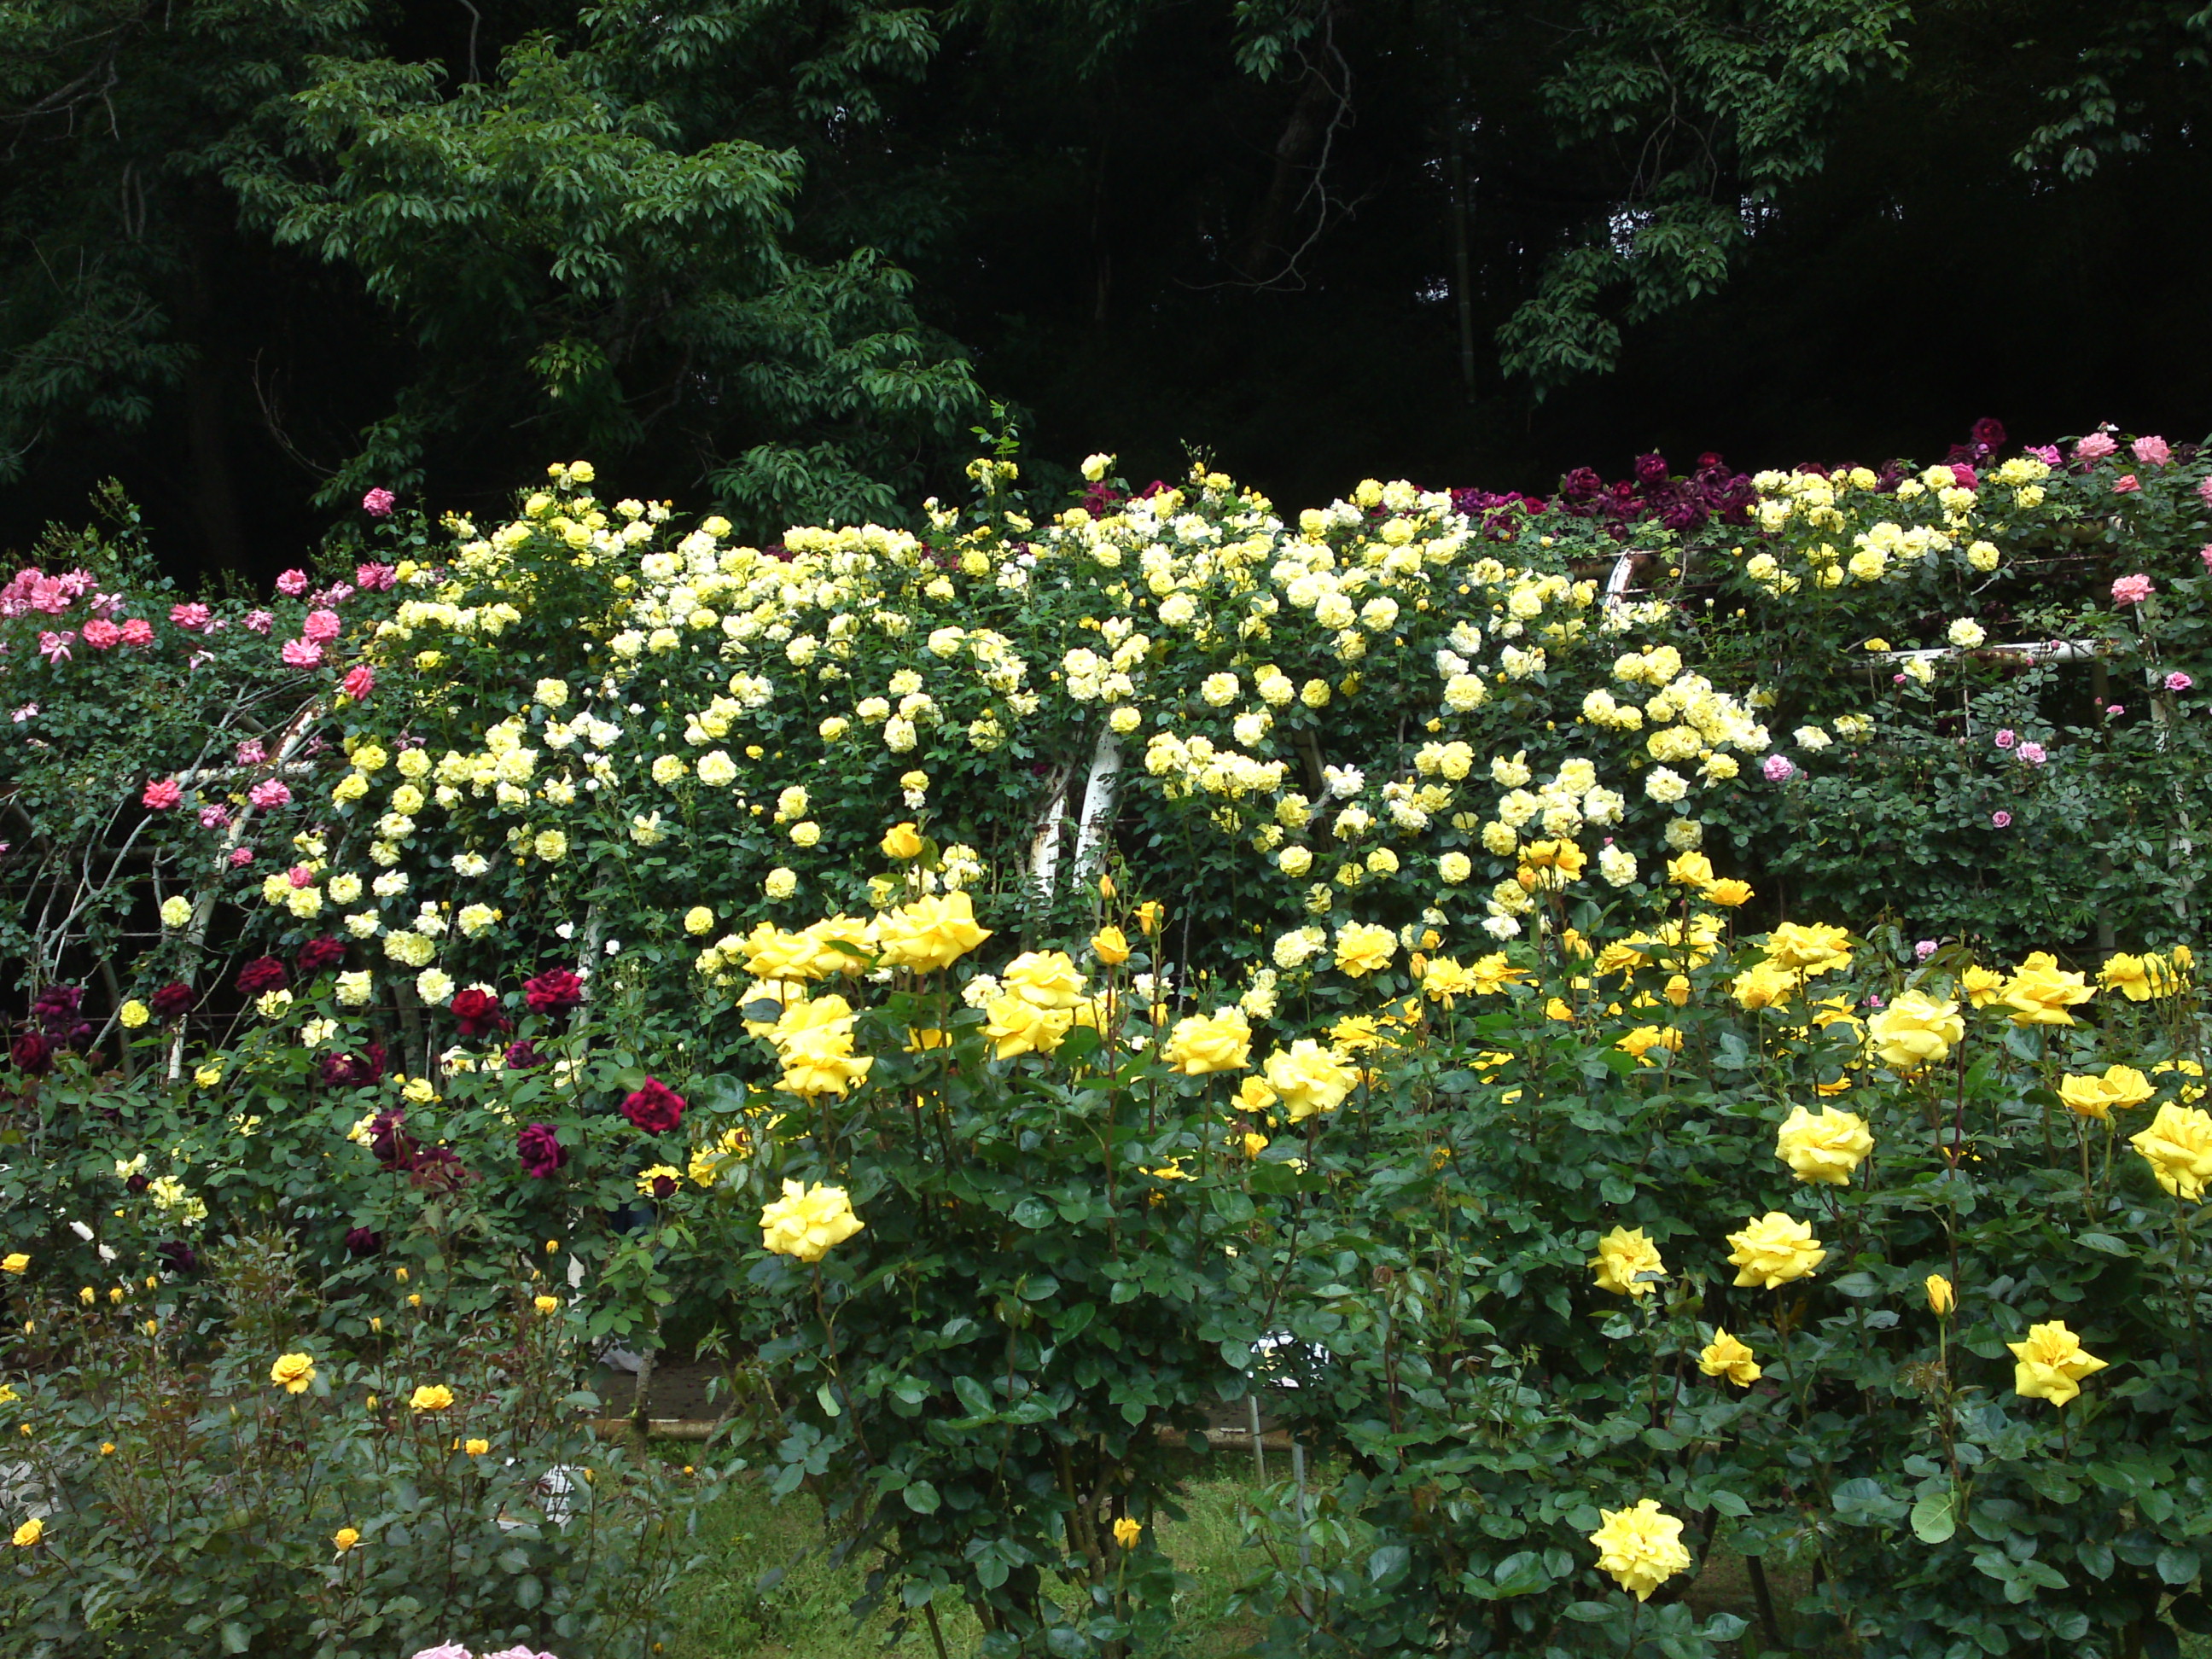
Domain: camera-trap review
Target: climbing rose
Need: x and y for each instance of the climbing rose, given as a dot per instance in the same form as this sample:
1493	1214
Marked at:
540	1149
162	793
553	992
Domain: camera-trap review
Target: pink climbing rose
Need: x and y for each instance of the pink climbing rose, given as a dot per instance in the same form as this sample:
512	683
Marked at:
2132	590
162	793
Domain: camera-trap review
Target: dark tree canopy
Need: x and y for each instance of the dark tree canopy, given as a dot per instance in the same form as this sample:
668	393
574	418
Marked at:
257	256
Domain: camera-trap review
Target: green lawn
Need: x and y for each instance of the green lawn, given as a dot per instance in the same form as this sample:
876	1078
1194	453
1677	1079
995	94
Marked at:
724	1612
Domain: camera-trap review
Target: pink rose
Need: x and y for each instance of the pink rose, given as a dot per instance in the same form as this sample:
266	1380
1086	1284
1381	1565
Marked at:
137	631
2204	490
240	856
292	583
2094	448
299	876
162	793
302	654
100	634
374	578
379	502
214	817
2047	453
2125	483
2177	681
55	647
260	622
1924	949
2151	451
2033	754
2006	736
2132	590
1962	476
2000	820
252	752
190	617
1779	768
2205	551
270	793
337	593
29	711
320	625
359	683
2115	709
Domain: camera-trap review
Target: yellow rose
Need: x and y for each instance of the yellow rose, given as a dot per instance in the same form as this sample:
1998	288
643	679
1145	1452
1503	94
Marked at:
1045	978
1127	1532
1640	1547
2177	1146
430	1397
1941	1297
1203	1044
1724	1356
1148	917
1823	1149
1309	1078
16	1263
1814	949
294	1372
1916	1031
28	1536
1110	945
346	1538
1622	1254
1019	1026
1362	948
814	1039
807	1221
1730	893
929	934
1691	870
134	1014
1253	1095
698	919
902	841
1773	1251
1762	986
2051	1362
476	1448
546	1304
1644	1038
1982	985
2039	994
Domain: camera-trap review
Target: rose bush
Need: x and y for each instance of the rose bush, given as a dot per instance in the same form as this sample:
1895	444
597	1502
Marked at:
1029	966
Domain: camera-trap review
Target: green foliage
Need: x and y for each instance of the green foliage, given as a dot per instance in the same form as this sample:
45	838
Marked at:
193	1506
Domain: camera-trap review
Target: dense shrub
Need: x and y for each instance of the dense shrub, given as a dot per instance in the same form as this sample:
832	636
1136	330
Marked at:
510	904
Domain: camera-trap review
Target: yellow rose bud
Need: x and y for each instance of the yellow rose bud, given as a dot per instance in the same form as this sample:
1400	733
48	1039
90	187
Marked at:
1941	1298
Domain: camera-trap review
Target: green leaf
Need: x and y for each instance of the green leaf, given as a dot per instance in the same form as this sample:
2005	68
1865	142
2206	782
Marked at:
1934	1517
922	1498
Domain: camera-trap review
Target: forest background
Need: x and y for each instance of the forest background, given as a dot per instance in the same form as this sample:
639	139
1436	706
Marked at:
257	256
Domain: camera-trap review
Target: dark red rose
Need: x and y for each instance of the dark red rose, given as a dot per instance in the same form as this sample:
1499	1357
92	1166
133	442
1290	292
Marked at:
172	999
262	973
394	1147
135	1185
540	1149
523	1056
353	1071
656	1109
1652	469
478	1013
360	1241
56	1006
31	1053
664	1186
178	1256
435	1169
1988	435
318	954
553	992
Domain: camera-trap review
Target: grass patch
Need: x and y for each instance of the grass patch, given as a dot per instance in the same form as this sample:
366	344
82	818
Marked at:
770	1591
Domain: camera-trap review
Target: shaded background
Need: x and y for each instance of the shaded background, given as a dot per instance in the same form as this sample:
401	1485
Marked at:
1136	241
